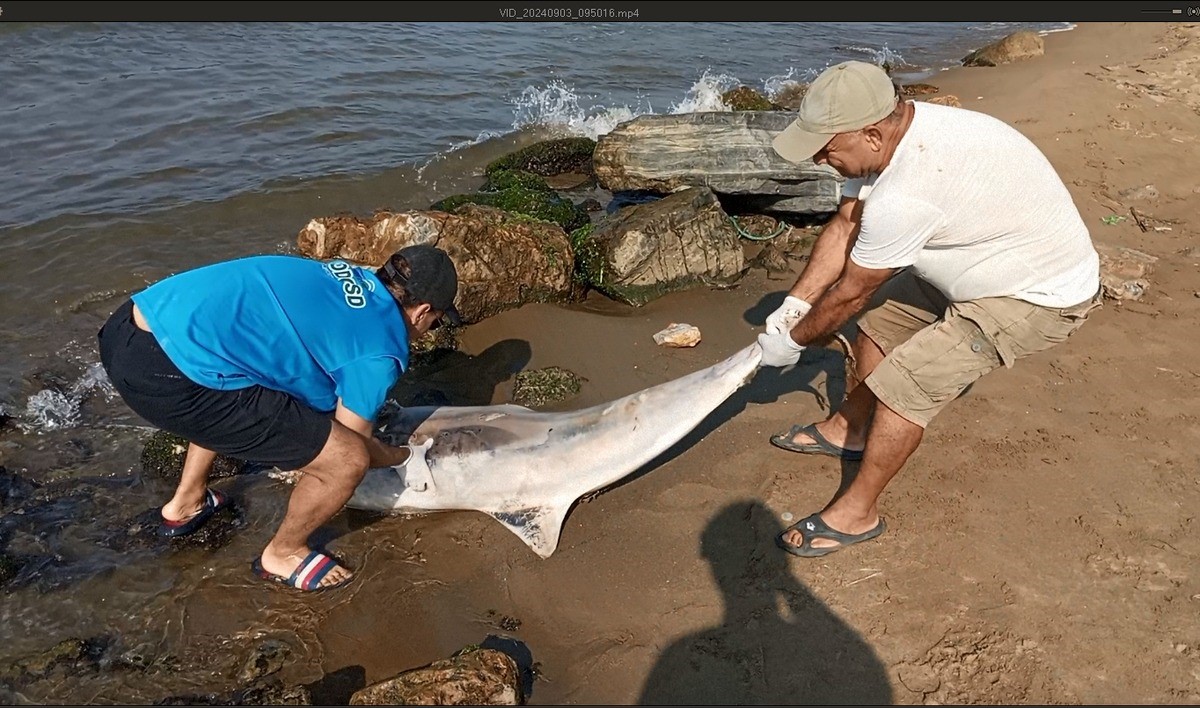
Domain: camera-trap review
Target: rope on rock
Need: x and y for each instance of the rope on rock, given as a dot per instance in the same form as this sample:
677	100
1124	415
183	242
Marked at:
754	237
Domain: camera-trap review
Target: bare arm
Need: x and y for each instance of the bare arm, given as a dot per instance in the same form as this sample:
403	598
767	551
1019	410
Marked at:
831	252
382	454
840	302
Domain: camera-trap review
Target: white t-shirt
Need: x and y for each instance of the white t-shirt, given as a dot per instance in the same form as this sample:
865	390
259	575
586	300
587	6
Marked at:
976	210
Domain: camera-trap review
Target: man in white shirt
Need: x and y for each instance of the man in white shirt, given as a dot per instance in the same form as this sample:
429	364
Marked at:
961	248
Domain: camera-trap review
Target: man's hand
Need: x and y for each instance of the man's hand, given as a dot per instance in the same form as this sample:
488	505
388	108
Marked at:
381	454
789	313
779	349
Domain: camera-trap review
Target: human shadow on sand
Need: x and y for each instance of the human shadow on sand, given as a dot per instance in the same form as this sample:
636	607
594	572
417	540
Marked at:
777	642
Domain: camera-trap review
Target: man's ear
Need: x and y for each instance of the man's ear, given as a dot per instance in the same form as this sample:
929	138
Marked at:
874	137
416	312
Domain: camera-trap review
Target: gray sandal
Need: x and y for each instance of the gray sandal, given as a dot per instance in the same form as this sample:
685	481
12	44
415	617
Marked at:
821	447
812	527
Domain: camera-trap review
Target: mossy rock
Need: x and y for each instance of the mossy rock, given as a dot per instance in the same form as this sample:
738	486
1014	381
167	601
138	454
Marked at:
163	457
502	180
540	387
744	98
589	257
550	157
543	206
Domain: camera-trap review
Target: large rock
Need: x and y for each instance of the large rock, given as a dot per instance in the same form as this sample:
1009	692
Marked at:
1014	47
472	677
503	260
549	157
729	152
645	251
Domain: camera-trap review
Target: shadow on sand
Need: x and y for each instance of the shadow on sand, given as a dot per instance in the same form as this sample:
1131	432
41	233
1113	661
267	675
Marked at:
777	642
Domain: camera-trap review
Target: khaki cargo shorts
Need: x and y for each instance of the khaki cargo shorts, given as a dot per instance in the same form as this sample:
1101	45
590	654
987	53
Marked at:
935	349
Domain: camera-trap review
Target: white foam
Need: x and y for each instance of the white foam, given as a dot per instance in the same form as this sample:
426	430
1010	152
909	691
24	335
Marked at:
775	85
705	95
561	108
51	409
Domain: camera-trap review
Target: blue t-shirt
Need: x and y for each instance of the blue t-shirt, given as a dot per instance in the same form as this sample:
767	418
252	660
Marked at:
318	331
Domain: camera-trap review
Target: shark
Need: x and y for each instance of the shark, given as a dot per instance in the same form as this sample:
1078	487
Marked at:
526	468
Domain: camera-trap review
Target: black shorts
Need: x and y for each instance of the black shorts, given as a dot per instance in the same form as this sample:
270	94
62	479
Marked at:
254	424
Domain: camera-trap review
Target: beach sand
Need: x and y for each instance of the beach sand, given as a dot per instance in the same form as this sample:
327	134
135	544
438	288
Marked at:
1042	543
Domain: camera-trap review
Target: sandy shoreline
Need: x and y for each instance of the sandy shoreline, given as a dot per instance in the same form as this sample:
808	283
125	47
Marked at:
1042	543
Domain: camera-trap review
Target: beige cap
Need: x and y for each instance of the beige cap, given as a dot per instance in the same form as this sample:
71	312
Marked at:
846	97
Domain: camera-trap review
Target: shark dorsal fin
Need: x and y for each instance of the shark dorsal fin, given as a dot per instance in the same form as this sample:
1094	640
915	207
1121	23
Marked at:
539	527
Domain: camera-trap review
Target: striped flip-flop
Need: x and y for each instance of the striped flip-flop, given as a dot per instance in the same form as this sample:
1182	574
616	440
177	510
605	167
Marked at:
307	576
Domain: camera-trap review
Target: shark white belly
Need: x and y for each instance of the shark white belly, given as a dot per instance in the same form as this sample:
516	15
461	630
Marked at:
526	468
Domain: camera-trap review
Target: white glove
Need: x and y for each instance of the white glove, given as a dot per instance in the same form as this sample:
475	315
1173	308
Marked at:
789	313
415	471
779	349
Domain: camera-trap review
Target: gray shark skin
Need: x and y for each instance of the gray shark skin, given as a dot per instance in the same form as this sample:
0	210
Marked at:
526	468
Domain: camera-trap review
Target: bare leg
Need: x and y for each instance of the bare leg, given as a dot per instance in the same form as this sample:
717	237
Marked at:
892	440
324	488
189	495
848	427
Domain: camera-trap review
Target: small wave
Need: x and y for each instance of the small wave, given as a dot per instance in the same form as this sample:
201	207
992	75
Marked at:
1067	27
995	26
455	149
558	106
880	55
463	144
705	94
775	86
53	409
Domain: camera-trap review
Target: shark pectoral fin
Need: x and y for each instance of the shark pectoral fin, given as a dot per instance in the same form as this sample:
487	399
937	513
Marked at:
539	527
415	472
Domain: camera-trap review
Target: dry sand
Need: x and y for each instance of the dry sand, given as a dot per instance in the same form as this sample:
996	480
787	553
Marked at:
1042	543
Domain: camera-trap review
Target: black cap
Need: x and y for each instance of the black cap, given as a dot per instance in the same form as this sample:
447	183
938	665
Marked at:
432	278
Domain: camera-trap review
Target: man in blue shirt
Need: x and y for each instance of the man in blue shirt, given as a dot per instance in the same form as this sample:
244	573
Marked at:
282	361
